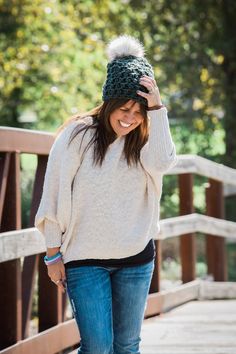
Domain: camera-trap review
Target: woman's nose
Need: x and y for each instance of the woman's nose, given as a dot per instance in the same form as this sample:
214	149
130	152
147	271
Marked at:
130	117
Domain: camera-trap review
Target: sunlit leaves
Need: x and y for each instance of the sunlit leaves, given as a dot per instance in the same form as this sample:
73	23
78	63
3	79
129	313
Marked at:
45	59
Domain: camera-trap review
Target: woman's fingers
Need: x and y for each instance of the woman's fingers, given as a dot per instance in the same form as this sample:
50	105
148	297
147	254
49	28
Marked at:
143	94
61	286
60	283
147	84
56	272
153	95
63	277
63	272
149	79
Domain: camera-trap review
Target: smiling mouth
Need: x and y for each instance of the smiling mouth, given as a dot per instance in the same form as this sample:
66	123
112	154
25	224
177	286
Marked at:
124	125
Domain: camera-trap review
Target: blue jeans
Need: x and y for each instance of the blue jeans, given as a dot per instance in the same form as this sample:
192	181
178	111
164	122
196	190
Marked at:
108	304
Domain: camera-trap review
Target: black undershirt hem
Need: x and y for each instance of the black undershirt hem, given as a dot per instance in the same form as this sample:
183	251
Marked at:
143	257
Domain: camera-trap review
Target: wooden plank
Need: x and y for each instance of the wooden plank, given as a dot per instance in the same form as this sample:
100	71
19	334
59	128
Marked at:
215	246
30	267
197	327
166	299
10	272
187	241
10	303
25	141
50	341
4	171
197	289
229	190
204	167
179	225
211	290
21	243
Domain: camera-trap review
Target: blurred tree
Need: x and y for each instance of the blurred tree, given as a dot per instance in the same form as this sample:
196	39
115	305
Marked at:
45	68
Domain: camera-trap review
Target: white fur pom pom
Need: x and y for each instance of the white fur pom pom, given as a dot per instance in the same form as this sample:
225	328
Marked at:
124	46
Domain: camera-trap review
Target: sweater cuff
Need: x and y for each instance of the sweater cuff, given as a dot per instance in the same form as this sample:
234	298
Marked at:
52	234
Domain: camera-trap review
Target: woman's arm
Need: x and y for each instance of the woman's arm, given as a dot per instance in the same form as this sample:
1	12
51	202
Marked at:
54	209
52	251
158	154
56	272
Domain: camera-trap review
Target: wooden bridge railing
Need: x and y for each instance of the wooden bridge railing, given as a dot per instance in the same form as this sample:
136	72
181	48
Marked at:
21	251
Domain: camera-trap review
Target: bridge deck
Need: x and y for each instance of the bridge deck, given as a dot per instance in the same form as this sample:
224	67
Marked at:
206	327
197	327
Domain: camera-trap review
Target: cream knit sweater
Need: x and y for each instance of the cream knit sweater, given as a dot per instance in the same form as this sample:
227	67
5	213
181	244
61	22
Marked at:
104	212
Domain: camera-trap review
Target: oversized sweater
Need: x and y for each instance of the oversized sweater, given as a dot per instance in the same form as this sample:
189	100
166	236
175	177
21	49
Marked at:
108	211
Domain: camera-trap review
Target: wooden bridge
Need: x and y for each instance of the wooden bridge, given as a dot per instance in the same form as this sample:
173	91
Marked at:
167	323
203	327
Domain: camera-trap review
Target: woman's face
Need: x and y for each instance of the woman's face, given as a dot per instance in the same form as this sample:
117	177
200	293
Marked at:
126	118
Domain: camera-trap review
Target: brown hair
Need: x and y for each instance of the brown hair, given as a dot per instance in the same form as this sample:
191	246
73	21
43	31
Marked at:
104	135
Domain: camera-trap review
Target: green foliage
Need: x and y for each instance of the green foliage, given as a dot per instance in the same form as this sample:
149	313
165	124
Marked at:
28	167
171	270
231	257
44	66
170	198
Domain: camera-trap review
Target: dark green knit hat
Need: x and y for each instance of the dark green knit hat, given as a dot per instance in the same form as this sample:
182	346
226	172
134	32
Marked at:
125	68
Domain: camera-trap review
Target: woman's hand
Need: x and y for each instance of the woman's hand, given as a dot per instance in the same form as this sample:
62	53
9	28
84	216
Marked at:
56	273
153	96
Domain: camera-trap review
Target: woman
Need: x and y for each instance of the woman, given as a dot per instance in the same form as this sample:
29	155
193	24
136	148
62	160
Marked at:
99	210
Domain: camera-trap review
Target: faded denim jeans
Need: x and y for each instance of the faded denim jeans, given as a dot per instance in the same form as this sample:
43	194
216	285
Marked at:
108	304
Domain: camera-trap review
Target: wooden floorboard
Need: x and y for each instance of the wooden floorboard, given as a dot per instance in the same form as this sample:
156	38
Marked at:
206	327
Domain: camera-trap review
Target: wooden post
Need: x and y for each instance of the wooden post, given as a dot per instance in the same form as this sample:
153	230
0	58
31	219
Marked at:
187	242
10	272
30	265
51	301
155	283
215	245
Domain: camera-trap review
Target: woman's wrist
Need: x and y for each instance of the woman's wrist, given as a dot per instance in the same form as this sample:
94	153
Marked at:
53	259
157	106
52	251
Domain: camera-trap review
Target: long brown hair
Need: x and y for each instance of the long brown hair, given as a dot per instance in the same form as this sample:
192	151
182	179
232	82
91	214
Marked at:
104	135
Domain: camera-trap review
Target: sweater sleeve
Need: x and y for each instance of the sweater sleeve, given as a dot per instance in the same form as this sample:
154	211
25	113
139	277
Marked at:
54	210
158	154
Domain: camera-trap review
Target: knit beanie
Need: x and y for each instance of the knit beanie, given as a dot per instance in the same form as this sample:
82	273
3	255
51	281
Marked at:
125	67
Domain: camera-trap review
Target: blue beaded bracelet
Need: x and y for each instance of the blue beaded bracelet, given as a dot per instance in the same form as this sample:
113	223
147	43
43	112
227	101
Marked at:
53	259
